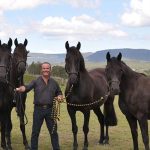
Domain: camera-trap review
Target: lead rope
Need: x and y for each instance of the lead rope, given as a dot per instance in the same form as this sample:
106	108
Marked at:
56	109
55	115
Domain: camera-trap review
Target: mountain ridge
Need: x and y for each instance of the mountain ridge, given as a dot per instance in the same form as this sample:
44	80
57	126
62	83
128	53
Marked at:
98	56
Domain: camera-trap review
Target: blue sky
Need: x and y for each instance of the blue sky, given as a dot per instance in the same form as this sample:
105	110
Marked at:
97	24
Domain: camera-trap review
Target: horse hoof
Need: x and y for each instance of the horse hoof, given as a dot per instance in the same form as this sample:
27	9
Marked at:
105	142
5	148
75	147
101	142
85	148
27	148
9	148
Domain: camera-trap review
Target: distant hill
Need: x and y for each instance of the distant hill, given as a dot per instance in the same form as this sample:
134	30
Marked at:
132	54
52	58
99	56
41	57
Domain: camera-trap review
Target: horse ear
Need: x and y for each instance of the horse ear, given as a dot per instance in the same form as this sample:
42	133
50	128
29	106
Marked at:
78	45
16	42
10	42
119	56
108	56
67	45
25	42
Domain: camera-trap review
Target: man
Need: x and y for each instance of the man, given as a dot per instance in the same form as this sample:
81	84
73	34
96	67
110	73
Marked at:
45	90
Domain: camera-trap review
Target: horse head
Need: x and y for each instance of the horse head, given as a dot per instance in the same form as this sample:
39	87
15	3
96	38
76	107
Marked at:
20	57
5	60
74	62
114	72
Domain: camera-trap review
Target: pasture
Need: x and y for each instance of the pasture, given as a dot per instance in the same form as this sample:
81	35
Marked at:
140	66
120	136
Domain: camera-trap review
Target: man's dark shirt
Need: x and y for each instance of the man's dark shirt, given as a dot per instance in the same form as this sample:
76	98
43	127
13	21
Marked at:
44	94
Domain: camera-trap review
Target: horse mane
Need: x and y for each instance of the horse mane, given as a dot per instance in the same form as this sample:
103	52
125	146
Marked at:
124	65
82	63
20	49
76	53
4	47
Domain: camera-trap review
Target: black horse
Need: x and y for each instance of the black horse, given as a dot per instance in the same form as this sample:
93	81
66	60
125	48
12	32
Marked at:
134	96
18	69
5	101
83	93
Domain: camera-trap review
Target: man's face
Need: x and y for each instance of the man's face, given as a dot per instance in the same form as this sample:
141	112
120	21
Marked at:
46	69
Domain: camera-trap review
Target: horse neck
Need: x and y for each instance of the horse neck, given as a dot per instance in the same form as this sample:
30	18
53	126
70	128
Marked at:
16	79
128	76
84	82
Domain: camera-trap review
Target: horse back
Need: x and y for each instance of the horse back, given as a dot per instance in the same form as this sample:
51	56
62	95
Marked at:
136	96
100	81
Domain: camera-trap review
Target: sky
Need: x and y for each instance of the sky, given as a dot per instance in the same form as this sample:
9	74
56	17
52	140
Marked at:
97	24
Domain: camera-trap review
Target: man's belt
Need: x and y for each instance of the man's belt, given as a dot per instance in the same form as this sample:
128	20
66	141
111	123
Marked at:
44	106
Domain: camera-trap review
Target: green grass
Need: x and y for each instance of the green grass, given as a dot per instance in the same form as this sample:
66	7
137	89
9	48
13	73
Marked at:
120	136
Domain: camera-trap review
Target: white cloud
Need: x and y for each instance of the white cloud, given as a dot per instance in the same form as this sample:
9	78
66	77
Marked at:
20	31
84	3
9	30
2	34
77	27
138	14
26	4
19	4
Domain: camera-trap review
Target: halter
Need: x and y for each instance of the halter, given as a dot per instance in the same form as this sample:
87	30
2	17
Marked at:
70	73
114	81
20	61
7	67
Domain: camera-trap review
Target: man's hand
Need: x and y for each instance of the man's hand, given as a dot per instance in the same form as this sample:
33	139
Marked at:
59	98
21	89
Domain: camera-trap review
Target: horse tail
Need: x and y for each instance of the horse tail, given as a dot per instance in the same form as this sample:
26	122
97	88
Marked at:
109	112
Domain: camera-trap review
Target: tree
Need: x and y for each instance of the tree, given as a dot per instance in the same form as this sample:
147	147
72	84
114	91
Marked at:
34	68
59	71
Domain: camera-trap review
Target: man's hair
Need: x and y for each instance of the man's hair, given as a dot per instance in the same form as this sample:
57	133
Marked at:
46	63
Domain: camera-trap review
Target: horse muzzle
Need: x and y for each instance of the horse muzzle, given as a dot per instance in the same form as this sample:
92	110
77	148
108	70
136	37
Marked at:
21	68
73	78
114	88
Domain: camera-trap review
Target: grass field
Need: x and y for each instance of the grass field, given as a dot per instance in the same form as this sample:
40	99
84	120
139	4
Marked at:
120	136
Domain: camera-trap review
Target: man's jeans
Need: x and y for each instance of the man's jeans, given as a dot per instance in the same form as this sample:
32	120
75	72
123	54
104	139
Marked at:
38	117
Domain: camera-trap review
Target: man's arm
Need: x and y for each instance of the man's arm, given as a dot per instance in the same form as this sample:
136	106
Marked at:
26	88
21	89
60	98
59	94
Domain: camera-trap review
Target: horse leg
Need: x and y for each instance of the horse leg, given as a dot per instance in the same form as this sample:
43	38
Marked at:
72	114
100	117
86	128
106	140
3	141
8	132
22	128
144	129
133	126
109	115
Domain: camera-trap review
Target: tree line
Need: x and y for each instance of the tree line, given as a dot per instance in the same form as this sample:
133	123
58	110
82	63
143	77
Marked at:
57	71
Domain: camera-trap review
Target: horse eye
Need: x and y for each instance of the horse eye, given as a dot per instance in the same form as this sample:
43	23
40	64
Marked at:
121	70
66	59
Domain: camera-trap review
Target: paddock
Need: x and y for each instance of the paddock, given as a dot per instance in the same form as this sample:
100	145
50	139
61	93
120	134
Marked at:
120	136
